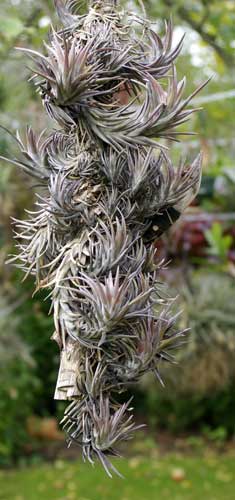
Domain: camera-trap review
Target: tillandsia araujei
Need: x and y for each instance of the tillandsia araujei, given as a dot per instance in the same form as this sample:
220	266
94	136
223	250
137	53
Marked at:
109	82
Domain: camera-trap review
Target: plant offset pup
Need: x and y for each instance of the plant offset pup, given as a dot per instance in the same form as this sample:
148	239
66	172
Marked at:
110	84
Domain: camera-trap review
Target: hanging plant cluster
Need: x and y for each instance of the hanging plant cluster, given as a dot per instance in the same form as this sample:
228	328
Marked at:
109	82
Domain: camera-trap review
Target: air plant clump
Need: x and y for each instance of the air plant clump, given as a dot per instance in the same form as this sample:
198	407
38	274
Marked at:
109	82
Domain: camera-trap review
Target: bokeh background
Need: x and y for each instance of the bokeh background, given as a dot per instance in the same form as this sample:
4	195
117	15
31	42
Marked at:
187	448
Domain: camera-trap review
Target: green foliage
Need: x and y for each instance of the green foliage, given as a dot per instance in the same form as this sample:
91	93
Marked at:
189	412
209	356
11	27
17	396
217	435
35	327
219	243
18	387
200	391
225	189
212	20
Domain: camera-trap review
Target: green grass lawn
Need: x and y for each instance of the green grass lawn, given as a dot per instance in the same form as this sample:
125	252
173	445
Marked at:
204	475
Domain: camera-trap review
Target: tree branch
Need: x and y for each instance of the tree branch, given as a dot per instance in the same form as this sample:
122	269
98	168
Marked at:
210	39
207	37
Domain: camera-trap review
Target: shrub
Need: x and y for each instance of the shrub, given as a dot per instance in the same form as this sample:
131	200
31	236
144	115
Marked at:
18	386
200	389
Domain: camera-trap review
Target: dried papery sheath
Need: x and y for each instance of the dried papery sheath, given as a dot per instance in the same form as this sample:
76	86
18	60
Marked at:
110	190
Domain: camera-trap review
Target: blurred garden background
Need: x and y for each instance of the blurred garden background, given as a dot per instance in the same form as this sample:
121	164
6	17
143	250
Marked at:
187	448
